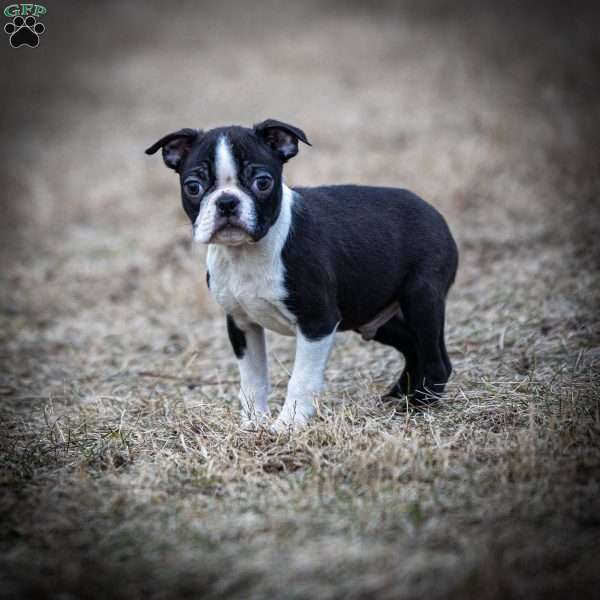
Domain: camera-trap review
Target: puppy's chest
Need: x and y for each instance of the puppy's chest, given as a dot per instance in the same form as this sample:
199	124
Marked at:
251	289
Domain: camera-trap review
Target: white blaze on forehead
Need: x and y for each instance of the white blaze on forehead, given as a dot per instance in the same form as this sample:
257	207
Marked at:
225	166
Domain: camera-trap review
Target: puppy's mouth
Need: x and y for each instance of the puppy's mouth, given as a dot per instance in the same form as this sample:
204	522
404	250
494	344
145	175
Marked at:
230	232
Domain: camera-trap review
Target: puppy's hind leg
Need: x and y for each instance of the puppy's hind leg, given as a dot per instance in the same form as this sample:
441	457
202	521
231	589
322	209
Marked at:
423	307
395	333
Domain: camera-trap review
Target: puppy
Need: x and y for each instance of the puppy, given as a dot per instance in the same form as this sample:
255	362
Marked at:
310	261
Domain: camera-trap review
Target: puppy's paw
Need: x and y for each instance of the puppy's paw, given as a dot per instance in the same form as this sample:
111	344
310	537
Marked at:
255	421
281	426
286	423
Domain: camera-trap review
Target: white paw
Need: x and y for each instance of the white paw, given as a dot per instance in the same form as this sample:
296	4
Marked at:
280	426
255	421
286	423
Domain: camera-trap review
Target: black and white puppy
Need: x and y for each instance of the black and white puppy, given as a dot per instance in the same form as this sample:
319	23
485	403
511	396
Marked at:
312	261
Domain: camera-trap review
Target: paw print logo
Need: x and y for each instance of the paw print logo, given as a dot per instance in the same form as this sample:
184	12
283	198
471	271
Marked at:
24	32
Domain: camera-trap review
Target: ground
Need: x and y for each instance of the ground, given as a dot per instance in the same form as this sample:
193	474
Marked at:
124	472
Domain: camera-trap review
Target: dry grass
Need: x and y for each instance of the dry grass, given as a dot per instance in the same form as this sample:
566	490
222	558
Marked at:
124	472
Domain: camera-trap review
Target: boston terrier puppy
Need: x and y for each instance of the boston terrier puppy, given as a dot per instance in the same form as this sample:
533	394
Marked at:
310	261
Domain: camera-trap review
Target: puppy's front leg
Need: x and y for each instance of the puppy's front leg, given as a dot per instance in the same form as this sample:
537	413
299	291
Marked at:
248	341
306	381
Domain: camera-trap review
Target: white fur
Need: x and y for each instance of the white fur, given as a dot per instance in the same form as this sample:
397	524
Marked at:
254	375
225	167
226	183
248	280
306	381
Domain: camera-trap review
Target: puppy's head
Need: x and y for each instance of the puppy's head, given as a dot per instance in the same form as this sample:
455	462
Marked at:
231	177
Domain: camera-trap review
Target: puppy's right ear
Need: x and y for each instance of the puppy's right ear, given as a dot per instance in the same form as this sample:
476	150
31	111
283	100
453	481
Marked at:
175	146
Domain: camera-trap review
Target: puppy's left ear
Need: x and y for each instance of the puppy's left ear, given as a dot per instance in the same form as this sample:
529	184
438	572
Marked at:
175	146
282	138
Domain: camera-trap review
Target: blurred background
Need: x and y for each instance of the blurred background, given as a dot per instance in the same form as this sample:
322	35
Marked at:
489	110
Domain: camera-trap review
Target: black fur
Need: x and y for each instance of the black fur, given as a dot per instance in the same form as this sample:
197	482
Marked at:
281	137
191	152
237	337
353	251
175	146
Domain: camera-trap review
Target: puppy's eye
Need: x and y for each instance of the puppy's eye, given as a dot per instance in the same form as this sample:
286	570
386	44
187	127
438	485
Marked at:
193	189
262	184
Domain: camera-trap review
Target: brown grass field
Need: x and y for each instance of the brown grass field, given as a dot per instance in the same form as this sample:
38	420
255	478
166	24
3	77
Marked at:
123	471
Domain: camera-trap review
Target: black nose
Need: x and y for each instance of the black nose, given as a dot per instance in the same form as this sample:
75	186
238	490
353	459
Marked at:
227	205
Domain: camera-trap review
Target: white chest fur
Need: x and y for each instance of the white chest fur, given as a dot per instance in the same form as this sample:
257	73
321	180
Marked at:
248	280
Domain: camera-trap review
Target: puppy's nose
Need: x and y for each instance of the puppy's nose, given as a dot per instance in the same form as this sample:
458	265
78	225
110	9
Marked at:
227	205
